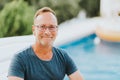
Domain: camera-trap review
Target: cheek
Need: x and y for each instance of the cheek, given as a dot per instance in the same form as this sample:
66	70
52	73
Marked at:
54	34
36	33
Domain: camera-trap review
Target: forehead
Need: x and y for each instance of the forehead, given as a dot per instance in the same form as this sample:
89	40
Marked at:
46	18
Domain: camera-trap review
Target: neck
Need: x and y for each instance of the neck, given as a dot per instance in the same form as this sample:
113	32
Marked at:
43	52
40	49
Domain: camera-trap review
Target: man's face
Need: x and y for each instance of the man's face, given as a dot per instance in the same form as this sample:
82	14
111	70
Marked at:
45	28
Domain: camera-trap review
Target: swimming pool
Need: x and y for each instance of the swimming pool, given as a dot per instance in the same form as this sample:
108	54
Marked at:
95	61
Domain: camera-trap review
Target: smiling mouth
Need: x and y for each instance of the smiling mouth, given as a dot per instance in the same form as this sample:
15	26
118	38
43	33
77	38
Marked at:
47	37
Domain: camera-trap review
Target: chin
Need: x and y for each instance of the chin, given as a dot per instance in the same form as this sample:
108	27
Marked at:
47	44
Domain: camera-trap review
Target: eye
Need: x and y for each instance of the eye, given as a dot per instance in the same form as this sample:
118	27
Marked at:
42	26
52	28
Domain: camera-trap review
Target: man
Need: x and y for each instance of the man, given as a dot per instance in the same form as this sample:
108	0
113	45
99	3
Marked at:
42	61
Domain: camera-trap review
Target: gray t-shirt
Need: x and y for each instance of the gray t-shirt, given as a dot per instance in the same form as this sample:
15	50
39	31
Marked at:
28	66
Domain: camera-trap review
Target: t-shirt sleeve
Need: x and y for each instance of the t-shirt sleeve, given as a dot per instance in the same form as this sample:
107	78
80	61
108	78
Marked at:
70	65
16	67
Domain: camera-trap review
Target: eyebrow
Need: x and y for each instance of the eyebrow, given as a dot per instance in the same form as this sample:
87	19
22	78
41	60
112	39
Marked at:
45	25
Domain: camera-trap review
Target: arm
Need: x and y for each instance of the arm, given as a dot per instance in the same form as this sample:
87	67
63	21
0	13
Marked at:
16	69
71	69
14	78
75	76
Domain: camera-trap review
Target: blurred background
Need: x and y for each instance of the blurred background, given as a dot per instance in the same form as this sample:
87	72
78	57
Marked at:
17	15
88	29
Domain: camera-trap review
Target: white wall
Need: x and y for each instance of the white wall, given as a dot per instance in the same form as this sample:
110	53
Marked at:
109	8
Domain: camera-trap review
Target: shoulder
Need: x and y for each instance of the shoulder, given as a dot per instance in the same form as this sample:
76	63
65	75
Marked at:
62	53
59	51
69	63
23	53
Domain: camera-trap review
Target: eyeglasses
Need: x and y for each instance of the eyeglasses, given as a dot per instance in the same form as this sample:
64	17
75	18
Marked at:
51	28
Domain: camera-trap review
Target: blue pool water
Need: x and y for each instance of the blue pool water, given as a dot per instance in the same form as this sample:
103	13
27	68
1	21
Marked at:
95	62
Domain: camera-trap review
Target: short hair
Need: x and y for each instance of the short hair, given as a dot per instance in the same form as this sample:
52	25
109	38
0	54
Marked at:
44	10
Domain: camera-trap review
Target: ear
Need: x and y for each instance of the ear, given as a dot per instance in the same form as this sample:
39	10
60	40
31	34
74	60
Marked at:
57	31
33	29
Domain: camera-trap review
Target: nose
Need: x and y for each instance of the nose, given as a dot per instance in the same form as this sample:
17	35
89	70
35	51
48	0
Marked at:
47	31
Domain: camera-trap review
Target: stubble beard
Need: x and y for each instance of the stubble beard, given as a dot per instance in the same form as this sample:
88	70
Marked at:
45	43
